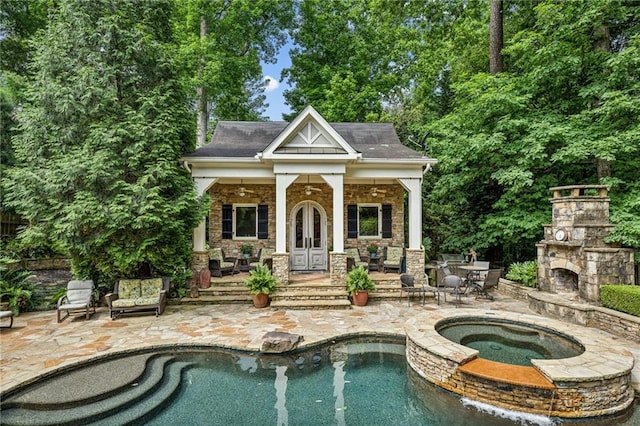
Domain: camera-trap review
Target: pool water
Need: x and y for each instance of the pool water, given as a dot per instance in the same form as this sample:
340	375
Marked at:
350	382
509	342
345	384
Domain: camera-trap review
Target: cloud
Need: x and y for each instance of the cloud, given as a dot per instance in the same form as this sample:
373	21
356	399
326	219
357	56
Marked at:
270	83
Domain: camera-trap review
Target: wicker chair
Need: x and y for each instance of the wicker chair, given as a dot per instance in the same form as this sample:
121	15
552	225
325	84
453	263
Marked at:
220	264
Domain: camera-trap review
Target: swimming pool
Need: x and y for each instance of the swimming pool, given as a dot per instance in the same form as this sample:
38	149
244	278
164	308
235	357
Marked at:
344	382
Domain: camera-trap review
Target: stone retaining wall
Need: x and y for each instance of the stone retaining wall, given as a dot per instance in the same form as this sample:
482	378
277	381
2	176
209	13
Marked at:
614	322
513	289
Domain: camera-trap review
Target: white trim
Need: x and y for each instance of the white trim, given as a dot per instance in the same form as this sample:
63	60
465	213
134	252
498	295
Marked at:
414	188
235	237
309	114
378	206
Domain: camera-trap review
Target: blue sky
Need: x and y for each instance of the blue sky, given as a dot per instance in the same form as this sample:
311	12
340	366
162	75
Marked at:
274	90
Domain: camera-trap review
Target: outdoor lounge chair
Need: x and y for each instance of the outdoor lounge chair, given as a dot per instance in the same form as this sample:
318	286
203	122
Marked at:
354	260
265	257
481	287
7	314
220	264
78	299
393	257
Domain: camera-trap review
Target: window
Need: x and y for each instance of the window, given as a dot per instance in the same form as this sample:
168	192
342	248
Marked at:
369	220
245	221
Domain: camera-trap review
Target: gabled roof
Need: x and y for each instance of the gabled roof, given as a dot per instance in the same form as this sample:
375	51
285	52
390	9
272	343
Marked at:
246	139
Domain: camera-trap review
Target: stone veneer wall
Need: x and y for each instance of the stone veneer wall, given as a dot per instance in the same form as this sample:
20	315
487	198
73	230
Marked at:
338	268
513	289
614	322
265	194
591	261
226	194
48	277
353	194
415	264
200	260
281	267
569	399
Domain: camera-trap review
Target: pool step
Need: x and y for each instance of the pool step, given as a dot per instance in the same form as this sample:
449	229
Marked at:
160	381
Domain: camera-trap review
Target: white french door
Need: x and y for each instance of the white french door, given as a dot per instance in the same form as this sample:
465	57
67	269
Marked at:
308	237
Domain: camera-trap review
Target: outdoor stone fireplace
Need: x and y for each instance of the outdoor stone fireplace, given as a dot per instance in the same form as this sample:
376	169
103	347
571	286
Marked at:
573	256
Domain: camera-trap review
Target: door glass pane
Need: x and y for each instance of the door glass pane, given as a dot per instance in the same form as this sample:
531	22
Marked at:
299	229
246	222
368	221
317	240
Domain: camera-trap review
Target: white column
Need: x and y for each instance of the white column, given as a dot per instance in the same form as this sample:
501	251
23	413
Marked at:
199	236
282	183
199	232
414	187
336	182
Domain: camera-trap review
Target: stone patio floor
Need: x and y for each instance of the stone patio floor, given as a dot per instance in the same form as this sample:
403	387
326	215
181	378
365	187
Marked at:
37	344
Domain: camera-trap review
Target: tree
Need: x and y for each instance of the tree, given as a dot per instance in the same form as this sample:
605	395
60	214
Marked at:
221	45
102	129
562	105
349	58
495	37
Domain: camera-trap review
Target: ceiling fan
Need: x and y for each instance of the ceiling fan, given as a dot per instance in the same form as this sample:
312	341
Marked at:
375	191
242	191
308	188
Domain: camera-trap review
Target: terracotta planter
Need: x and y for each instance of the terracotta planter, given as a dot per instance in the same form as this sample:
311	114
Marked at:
260	300
360	298
204	278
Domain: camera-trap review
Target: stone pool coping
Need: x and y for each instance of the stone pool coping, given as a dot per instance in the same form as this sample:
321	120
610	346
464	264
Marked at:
603	365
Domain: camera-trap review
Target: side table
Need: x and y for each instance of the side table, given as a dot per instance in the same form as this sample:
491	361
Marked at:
243	263
374	263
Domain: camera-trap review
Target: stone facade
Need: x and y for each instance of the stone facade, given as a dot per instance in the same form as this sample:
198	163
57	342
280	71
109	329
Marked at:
573	255
281	267
353	194
338	269
415	264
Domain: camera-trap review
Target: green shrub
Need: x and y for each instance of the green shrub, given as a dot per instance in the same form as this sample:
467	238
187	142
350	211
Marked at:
623	298
358	279
525	273
260	280
15	288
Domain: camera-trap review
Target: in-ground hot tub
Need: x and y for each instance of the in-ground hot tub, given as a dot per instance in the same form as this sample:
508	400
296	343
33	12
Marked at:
508	341
593	382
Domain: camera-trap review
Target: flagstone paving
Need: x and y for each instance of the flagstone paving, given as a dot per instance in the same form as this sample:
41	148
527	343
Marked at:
37	344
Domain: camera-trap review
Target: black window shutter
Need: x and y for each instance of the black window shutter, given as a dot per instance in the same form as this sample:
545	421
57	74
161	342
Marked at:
352	221
263	221
386	221
227	221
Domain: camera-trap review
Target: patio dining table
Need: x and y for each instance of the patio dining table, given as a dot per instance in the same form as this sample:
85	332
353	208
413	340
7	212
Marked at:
473	272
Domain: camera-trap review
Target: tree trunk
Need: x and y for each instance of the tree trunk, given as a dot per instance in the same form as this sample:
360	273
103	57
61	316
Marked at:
495	37
602	42
203	110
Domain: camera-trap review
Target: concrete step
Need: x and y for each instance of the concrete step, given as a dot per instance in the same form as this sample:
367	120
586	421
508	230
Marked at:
310	295
154	384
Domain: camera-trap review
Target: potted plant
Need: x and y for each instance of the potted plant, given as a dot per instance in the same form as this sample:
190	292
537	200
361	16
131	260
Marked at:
246	250
359	283
373	250
261	284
